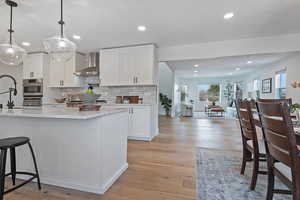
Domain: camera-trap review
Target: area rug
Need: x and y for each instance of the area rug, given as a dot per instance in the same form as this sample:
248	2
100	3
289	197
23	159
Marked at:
218	177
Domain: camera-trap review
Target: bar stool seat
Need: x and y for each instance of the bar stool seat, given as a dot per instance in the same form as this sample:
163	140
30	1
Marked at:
11	144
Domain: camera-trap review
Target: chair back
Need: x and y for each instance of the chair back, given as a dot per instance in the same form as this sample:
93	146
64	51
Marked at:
279	135
248	129
288	101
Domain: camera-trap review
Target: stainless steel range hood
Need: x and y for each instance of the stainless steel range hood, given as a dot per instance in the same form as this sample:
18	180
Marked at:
93	66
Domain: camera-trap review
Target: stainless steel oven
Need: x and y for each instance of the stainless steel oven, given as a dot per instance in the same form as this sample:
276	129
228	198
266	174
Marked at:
32	92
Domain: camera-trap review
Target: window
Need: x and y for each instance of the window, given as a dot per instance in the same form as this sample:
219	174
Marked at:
256	90
209	93
280	85
255	85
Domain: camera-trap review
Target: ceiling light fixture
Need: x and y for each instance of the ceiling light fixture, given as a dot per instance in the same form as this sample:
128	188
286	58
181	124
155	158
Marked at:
142	28
76	37
26	44
60	48
249	62
228	15
11	53
196	65
237	69
196	71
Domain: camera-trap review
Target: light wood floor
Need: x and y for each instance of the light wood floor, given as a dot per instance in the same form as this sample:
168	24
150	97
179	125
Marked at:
163	169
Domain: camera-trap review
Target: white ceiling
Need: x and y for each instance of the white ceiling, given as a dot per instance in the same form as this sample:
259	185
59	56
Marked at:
223	67
105	23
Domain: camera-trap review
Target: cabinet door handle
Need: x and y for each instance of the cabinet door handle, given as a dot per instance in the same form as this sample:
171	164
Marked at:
62	83
133	79
137	79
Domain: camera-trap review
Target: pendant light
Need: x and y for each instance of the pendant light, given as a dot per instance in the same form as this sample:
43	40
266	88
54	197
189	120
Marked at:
11	53
60	48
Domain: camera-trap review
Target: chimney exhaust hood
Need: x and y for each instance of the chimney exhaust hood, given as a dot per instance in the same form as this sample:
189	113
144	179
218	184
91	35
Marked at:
93	66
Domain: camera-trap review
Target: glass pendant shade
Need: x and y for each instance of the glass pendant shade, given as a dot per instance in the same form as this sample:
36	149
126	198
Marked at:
12	54
60	48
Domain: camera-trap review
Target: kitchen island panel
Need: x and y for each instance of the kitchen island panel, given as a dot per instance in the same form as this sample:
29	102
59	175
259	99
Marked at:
87	155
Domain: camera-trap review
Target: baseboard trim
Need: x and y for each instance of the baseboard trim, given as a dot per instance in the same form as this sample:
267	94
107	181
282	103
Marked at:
85	188
114	178
148	139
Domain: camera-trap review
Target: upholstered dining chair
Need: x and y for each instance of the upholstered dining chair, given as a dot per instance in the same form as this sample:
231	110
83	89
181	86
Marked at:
282	150
253	148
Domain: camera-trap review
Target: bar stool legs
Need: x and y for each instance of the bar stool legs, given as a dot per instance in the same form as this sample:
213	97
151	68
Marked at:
13	164
11	143
35	166
2	172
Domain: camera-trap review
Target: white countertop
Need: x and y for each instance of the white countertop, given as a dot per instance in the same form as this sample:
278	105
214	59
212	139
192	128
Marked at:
126	105
57	112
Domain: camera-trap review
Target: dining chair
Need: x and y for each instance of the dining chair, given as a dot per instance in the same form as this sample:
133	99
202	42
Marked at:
253	148
288	101
282	150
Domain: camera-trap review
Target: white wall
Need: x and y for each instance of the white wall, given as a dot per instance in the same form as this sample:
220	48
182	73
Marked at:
5	83
293	75
265	73
275	44
292	66
166	83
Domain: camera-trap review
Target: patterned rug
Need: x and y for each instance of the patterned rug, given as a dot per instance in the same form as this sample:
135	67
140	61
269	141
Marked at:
218	177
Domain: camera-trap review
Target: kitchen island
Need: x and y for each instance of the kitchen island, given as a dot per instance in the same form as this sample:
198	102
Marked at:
86	151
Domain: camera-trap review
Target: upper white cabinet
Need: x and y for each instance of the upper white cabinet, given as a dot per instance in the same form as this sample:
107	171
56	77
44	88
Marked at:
136	65
109	73
62	74
33	66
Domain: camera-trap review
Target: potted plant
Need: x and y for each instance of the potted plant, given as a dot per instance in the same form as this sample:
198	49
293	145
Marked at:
295	108
166	103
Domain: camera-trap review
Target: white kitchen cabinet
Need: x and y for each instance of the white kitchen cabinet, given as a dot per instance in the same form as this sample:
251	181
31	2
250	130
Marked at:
140	123
109	67
33	66
125	66
61	75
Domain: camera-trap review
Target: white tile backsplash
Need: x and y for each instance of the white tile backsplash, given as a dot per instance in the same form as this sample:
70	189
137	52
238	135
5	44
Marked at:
148	93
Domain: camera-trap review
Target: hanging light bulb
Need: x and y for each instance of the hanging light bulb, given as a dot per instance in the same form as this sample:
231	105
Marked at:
59	47
11	53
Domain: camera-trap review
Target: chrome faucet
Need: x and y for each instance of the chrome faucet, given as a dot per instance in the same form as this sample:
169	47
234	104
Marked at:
10	103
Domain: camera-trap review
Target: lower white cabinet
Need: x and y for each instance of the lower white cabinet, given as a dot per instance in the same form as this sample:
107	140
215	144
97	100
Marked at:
142	124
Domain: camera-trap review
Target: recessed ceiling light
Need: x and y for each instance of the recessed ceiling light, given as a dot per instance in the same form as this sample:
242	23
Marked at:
237	69
249	62
26	44
142	28
196	65
76	37
228	15
196	71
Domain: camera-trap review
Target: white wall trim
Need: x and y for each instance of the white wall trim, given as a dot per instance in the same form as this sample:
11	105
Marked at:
80	187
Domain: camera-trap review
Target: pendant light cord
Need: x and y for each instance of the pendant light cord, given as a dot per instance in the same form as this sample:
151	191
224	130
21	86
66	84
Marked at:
10	30
61	22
